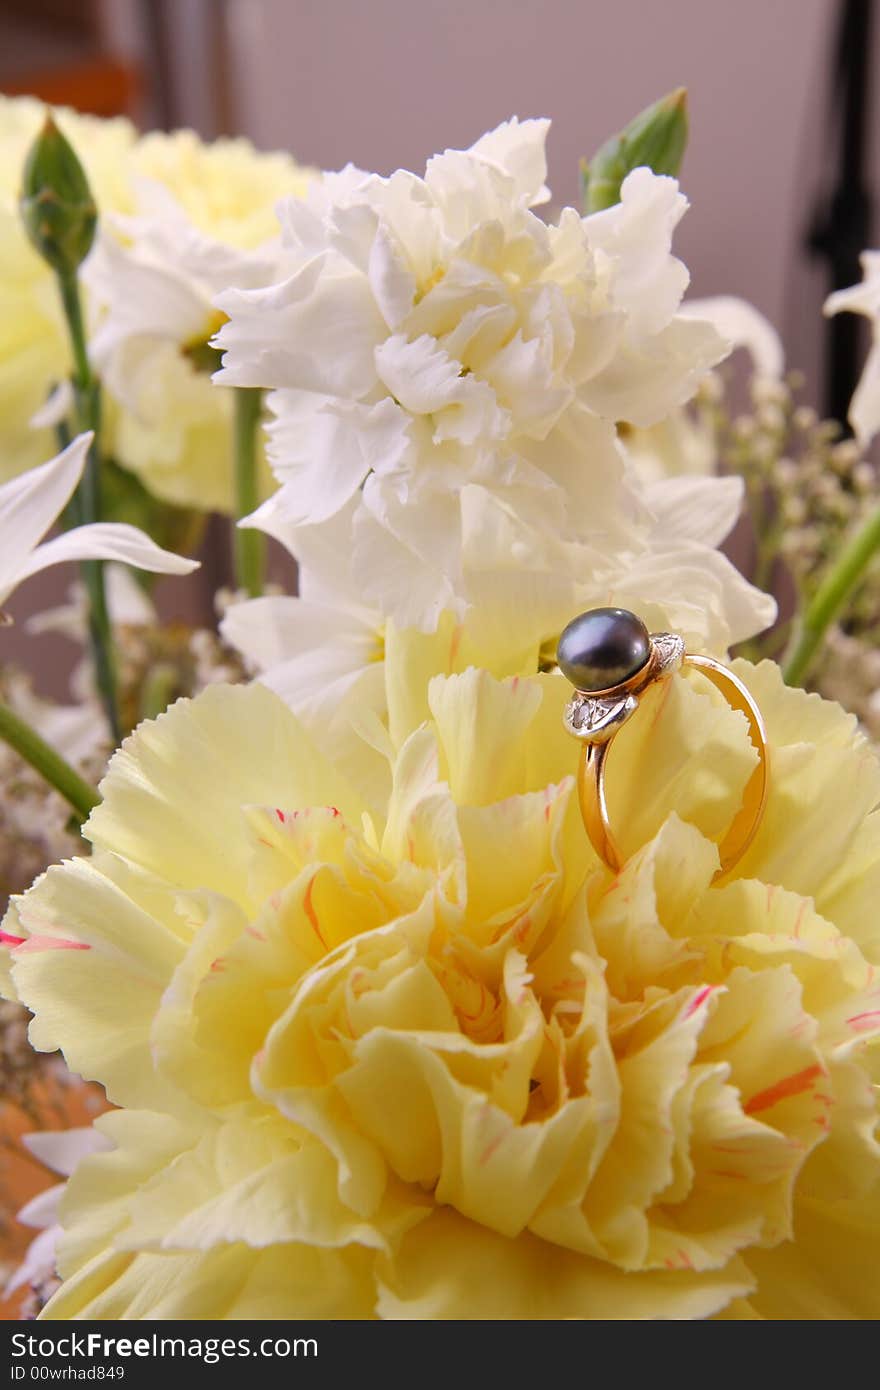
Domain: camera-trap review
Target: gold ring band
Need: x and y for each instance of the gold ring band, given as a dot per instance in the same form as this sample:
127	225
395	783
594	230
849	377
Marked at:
594	717
594	759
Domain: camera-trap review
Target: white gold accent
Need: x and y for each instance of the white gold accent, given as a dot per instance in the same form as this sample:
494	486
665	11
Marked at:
594	719
669	649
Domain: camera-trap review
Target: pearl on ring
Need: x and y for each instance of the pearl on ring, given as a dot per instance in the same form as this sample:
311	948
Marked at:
603	648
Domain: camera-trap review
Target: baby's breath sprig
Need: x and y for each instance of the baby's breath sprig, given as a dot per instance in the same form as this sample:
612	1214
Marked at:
809	493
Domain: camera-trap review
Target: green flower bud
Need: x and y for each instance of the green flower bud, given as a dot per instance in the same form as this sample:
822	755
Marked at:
656	138
57	206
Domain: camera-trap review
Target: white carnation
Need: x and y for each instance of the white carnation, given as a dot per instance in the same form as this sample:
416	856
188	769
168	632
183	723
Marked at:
435	335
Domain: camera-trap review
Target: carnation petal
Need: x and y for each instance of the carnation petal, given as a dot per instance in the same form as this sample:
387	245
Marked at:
175	762
533	1279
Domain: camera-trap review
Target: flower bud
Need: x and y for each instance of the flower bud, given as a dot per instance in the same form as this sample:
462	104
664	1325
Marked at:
656	138
57	206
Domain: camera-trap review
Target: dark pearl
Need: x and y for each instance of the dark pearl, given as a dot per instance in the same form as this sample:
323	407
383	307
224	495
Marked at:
603	648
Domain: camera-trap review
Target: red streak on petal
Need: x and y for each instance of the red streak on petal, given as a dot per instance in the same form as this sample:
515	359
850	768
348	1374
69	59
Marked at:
454	646
860	1023
8	939
218	965
256	933
335	811
310	912
491	1147
280	815
699	999
800	920
523	929
34	944
783	1090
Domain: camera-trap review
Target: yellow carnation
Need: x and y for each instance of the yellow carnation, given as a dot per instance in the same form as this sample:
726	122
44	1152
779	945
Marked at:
412	1052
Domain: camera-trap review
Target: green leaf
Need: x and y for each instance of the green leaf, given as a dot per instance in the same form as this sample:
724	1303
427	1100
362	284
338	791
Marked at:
656	138
57	207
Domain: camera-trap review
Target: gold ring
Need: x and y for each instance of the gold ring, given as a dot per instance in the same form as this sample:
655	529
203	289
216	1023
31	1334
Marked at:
611	659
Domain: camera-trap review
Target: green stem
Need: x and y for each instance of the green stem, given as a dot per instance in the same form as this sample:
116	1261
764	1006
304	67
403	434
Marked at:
55	769
70	298
830	598
159	689
86	506
249	545
766	557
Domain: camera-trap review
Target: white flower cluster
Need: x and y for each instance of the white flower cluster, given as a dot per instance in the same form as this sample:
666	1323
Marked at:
448	373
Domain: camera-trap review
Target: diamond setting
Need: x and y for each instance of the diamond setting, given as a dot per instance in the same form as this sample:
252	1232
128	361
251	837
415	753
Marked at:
594	719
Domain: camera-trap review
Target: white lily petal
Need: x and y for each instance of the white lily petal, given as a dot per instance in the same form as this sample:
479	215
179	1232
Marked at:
107	540
30	504
864	408
38	1264
55	409
62	1149
744	327
864	298
77	731
42	1211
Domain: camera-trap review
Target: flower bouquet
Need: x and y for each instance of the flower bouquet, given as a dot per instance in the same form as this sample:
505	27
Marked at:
376	1024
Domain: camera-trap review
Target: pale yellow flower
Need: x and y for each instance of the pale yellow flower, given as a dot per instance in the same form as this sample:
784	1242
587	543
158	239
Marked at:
170	426
34	352
204	220
227	189
429	1059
